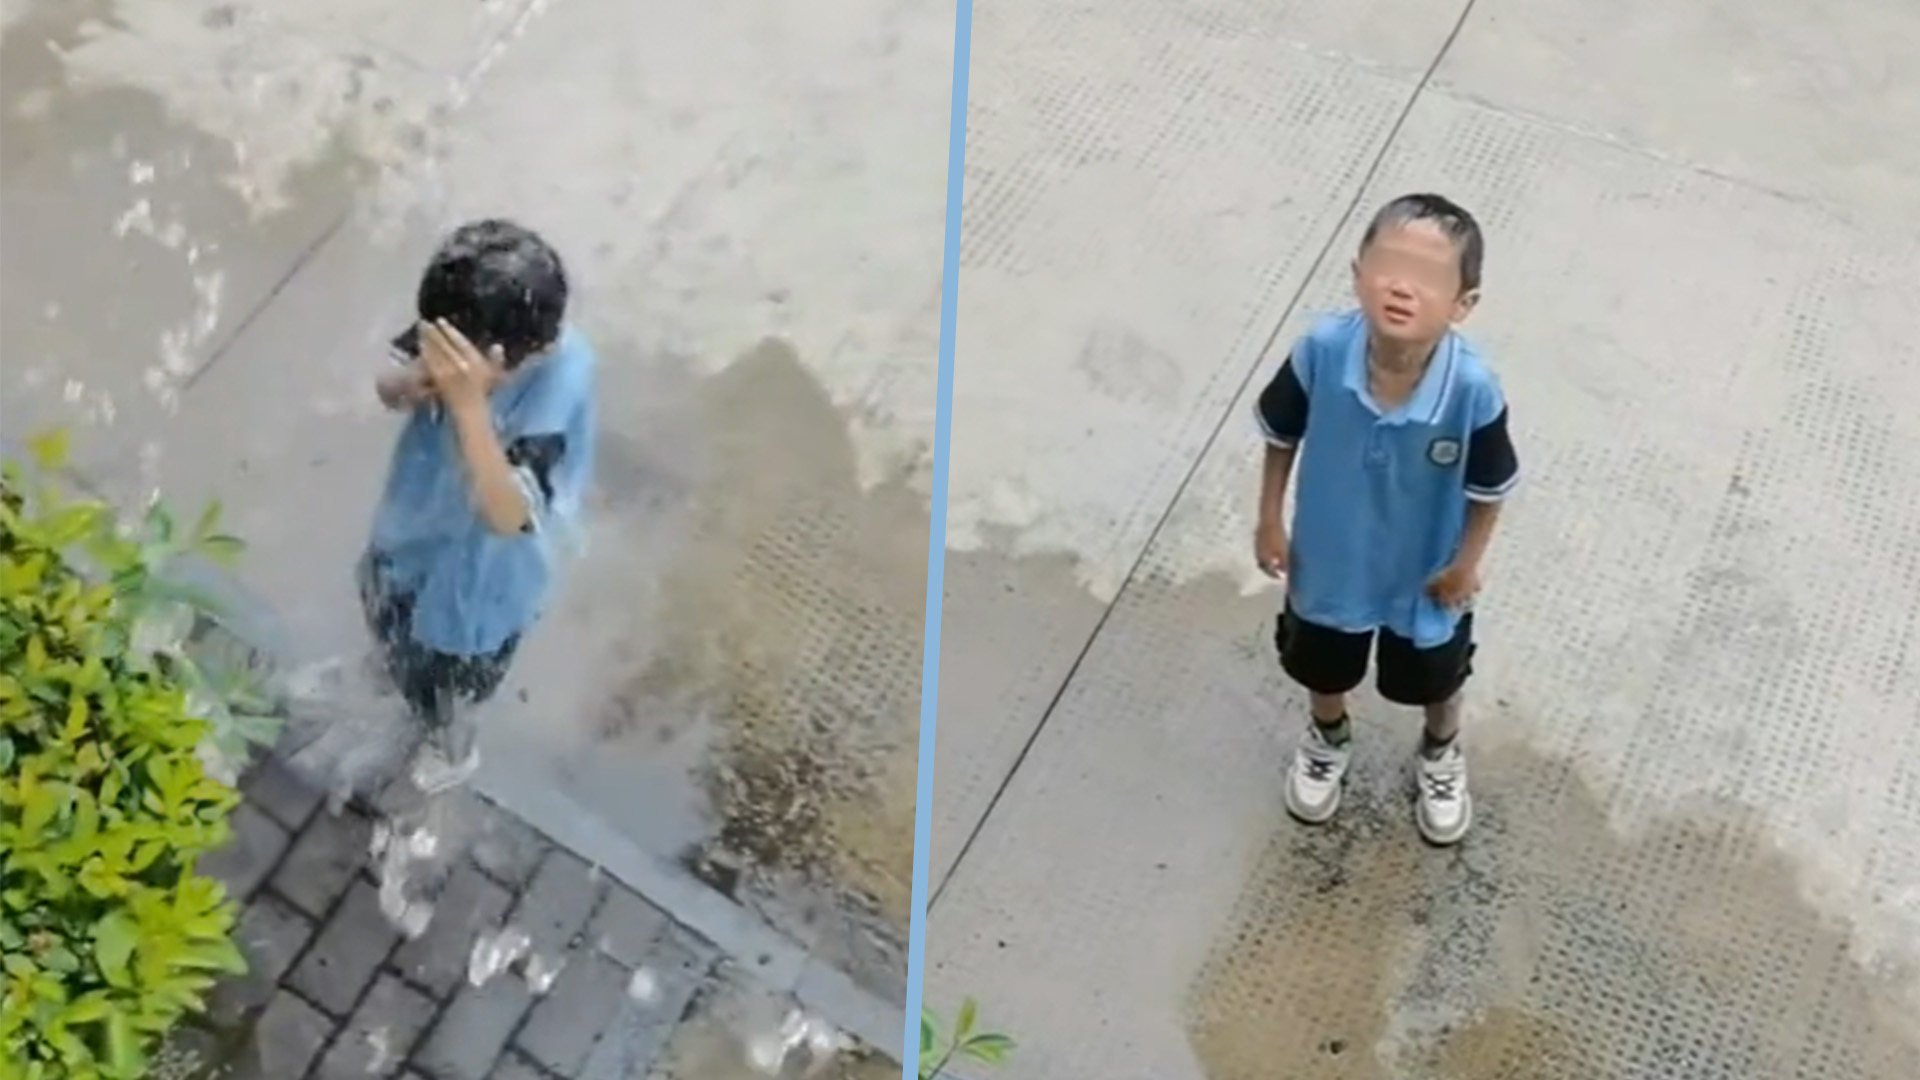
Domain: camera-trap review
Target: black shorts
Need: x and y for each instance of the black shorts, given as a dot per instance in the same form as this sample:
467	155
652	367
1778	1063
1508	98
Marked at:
1328	661
433	683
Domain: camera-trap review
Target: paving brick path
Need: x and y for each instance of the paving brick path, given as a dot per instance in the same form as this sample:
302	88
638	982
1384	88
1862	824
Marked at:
335	991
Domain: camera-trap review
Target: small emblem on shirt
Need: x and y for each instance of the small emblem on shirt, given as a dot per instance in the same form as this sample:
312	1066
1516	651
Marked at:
1444	452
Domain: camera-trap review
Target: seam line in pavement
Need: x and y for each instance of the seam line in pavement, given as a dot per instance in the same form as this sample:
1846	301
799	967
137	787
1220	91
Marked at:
300	263
1193	469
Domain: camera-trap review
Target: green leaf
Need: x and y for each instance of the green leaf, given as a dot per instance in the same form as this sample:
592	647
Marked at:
88	1009
929	1033
989	1049
221	548
114	938
6	754
160	523
209	520
71	524
963	1024
123	1047
41	805
220	955
61	961
79	713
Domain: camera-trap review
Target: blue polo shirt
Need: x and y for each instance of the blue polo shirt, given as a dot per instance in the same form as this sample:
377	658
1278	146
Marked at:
472	590
1380	496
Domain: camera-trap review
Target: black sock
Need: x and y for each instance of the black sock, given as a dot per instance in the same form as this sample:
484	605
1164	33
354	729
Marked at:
1431	747
1337	733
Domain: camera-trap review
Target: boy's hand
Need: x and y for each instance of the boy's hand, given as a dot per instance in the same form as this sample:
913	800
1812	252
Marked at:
1270	548
1455	586
403	389
461	375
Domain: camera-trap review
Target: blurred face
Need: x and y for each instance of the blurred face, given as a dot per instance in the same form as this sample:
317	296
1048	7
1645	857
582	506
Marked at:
1408	283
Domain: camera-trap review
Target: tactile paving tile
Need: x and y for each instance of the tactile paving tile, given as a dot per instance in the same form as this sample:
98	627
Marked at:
1146	184
1692	722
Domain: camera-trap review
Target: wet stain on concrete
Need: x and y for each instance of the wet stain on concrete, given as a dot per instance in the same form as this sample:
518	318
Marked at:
1548	946
789	624
104	184
1120	364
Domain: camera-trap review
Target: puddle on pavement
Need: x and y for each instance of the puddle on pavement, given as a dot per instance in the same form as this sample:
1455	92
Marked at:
1548	946
787	629
741	1032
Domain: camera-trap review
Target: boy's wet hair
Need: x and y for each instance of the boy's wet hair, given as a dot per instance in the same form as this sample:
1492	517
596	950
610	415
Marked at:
1452	218
500	284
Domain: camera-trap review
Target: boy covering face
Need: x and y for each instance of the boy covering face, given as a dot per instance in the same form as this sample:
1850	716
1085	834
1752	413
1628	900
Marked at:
488	471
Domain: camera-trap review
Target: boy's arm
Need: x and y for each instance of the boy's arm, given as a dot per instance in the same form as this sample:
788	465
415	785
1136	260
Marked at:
1282	412
1493	472
1275	472
1481	517
497	492
403	389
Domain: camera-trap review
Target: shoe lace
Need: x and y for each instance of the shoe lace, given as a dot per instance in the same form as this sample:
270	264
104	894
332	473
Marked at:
1442	786
1319	769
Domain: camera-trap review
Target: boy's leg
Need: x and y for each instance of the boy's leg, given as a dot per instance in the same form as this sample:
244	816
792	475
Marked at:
1433	679
1329	664
460	684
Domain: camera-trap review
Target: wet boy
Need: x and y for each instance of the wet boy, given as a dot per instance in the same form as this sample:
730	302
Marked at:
487	475
1398	430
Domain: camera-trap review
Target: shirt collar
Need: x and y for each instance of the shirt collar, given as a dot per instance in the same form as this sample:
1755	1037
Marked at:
1429	401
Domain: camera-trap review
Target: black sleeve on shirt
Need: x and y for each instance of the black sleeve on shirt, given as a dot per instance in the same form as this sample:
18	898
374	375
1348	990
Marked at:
1493	467
538	455
1283	407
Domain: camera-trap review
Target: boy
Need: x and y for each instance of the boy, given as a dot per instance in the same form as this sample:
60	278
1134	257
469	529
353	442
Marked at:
1400	432
487	474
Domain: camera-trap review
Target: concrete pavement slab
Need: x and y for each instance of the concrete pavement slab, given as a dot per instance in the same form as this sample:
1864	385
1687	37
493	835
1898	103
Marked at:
1144	197
1691	716
1718	84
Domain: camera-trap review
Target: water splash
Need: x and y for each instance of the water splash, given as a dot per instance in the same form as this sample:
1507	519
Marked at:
496	952
801	1035
398	852
384	1054
644	987
346	732
182	345
541	972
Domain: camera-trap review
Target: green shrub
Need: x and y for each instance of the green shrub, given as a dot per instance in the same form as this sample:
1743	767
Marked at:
107	726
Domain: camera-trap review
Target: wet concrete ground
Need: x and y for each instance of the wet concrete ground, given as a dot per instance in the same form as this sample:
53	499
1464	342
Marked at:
1693	722
214	214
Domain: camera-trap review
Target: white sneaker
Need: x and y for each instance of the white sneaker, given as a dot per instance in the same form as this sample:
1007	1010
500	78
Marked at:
1313	784
1444	809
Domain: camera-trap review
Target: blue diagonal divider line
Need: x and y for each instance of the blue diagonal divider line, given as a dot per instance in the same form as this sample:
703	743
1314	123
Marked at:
937	540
